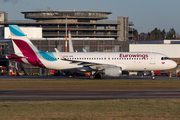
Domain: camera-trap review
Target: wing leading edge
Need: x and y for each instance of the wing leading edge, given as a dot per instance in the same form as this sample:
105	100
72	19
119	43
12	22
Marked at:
92	65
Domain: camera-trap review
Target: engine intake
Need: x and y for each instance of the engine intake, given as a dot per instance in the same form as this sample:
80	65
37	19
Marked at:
113	71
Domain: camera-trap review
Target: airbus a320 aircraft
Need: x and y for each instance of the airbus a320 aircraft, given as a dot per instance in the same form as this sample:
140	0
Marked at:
108	63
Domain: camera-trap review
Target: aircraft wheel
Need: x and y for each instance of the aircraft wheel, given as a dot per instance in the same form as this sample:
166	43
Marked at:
153	77
91	77
98	76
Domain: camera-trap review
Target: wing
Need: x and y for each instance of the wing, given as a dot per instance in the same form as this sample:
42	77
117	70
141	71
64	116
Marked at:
92	65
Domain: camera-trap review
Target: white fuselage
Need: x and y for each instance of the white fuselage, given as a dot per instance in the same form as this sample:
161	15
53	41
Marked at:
128	61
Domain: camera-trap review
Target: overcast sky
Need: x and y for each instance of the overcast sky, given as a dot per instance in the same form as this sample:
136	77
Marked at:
145	14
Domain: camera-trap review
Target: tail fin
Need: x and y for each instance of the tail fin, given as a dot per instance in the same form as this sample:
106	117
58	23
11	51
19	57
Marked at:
24	48
84	50
70	42
20	42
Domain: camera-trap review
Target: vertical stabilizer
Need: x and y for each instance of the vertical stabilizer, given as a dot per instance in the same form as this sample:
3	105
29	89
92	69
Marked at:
24	50
70	41
20	42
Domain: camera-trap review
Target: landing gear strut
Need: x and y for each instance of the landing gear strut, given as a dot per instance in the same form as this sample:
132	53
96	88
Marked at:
96	75
152	76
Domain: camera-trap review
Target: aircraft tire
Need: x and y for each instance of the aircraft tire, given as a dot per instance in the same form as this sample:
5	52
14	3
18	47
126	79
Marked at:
153	77
98	76
91	77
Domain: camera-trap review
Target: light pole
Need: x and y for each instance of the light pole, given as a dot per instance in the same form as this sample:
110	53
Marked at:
66	34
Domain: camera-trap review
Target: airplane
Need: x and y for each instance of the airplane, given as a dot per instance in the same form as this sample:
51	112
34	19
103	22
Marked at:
71	49
84	50
107	63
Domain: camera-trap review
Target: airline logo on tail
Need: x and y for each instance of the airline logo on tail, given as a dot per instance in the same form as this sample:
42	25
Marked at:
25	51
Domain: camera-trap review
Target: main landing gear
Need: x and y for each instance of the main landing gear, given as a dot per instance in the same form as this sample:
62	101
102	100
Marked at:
95	75
152	75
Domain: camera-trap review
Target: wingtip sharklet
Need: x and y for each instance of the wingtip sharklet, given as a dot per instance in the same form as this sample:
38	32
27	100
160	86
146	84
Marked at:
59	54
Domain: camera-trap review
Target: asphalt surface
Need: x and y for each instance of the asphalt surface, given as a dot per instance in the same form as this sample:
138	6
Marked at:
57	95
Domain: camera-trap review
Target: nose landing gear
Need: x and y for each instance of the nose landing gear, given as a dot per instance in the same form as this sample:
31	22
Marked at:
152	76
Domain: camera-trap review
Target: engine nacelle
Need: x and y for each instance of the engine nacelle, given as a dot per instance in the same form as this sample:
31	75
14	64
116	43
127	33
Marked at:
113	71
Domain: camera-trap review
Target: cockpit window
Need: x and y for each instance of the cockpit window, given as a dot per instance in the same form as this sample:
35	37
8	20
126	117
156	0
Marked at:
165	58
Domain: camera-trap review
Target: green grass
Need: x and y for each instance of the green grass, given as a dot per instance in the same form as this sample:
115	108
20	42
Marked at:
141	109
136	109
84	84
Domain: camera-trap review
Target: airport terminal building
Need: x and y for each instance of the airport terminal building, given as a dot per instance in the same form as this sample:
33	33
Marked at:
83	24
89	29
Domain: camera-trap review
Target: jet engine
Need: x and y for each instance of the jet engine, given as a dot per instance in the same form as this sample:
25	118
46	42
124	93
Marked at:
113	71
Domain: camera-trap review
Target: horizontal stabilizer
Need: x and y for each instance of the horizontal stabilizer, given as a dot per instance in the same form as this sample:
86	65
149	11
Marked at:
14	56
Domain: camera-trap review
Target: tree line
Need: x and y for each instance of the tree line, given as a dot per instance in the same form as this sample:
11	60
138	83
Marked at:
156	34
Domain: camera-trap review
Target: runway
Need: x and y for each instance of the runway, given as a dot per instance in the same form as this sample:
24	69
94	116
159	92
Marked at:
57	95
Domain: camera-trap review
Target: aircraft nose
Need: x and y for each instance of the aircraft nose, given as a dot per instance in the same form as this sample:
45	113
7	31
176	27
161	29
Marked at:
173	64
